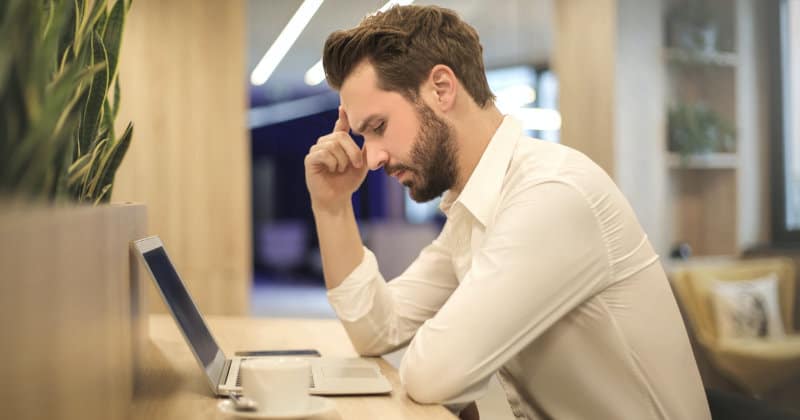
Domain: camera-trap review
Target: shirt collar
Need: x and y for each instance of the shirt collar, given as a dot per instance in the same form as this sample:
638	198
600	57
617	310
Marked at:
482	189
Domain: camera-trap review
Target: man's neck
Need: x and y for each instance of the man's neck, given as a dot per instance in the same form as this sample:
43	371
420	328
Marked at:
474	131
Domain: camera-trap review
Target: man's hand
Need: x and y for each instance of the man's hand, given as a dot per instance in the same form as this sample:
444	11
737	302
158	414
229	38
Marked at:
335	167
470	412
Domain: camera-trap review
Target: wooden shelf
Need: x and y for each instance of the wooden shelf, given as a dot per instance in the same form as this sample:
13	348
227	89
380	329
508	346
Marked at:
706	161
720	59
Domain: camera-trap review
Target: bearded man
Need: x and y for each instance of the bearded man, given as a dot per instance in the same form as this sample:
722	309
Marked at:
541	274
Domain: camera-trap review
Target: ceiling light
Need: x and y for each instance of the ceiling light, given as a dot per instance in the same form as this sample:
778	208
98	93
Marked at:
281	46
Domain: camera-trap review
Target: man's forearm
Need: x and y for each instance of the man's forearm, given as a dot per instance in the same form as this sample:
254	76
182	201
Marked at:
339	243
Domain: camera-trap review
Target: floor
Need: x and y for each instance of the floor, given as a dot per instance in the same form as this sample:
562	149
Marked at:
305	298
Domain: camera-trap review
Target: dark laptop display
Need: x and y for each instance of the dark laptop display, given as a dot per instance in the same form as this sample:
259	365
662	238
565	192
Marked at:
182	306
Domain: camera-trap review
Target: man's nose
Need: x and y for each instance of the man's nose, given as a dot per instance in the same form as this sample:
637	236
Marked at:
376	157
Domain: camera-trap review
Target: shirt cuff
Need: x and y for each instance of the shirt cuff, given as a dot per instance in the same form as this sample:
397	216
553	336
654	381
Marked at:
352	299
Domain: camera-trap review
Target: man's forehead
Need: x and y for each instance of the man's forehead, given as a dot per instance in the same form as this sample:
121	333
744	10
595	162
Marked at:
362	98
359	88
362	107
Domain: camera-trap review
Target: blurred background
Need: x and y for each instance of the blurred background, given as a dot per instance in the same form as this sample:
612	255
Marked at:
690	105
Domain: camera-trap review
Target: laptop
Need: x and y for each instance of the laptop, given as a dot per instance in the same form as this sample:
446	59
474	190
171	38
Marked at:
329	376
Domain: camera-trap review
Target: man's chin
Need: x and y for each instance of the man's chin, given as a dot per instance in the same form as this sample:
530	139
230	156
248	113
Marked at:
419	196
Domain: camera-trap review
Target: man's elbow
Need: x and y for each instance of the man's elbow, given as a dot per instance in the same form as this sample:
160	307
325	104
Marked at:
369	351
377	346
429	385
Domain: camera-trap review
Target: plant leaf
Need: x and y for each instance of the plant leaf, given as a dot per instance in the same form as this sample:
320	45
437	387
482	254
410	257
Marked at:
99	16
78	167
49	11
115	108
77	33
89	182
104	196
115	156
108	120
68	31
96	96
112	37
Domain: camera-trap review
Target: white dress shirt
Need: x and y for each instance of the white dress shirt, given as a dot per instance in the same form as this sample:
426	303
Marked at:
542	274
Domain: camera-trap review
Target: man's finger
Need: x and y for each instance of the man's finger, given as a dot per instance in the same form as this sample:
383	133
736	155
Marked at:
322	158
342	160
342	124
353	152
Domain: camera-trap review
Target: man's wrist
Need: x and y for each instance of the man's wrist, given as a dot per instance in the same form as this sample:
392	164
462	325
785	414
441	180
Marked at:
332	210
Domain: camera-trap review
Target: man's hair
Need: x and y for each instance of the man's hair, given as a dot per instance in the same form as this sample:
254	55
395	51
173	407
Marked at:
404	44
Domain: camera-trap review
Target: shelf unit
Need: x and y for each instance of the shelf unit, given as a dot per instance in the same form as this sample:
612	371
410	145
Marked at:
716	58
705	191
705	161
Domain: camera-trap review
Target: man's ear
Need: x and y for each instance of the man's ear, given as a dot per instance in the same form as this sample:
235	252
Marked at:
444	84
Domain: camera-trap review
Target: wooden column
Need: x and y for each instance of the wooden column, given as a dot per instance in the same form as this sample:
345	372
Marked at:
583	59
183	82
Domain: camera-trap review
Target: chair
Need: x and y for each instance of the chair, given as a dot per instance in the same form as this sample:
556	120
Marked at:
757	365
729	406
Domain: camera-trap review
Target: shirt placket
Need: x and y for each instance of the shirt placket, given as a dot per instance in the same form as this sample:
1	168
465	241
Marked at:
462	238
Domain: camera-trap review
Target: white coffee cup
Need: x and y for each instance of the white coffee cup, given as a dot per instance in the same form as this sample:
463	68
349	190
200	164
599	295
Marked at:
277	385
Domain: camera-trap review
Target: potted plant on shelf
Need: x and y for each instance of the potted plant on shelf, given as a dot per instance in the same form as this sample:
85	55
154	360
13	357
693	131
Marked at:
692	27
68	282
694	129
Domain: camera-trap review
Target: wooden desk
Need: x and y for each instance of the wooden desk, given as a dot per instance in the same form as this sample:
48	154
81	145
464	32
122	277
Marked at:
173	387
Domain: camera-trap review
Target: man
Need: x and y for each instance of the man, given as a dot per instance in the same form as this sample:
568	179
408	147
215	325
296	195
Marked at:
541	273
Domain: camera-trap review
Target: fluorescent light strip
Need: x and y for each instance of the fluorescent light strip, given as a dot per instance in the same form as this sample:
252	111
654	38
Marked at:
285	40
316	74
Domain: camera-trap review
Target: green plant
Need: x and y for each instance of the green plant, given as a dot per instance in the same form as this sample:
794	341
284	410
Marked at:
58	62
695	129
692	26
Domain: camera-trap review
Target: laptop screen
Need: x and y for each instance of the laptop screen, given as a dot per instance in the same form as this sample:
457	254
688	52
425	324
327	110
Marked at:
182	306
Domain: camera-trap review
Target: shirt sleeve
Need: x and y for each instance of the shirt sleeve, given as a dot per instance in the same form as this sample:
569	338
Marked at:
544	255
380	317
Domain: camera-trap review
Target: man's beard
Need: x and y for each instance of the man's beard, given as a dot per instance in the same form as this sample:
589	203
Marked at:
433	156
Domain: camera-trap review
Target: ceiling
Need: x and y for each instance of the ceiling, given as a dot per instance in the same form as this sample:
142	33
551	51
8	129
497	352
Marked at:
512	32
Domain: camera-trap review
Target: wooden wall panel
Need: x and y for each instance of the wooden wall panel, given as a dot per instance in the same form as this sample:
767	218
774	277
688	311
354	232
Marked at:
183	85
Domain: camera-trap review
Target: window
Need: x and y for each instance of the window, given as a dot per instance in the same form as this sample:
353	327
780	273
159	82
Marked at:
786	125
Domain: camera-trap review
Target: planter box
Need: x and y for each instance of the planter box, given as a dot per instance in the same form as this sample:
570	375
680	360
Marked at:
71	306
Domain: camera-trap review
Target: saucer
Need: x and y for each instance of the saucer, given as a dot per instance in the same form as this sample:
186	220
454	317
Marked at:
316	405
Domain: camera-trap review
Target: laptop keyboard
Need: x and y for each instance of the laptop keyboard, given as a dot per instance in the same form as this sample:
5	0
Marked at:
239	378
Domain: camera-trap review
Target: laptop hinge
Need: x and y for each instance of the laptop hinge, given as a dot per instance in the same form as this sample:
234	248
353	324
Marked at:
224	373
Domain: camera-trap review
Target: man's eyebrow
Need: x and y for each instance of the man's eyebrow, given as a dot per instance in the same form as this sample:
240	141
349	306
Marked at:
363	126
